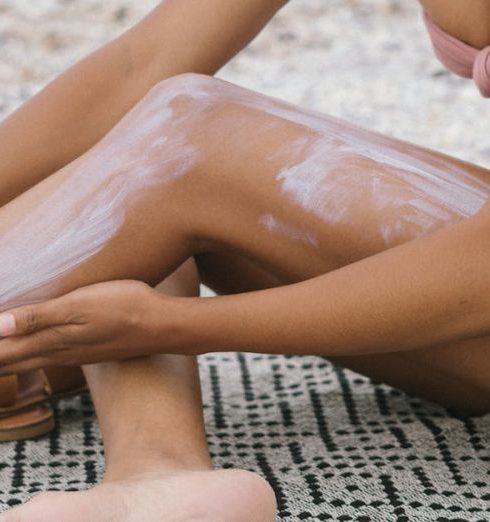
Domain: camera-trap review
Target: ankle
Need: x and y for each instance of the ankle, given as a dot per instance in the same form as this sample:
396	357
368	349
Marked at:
123	466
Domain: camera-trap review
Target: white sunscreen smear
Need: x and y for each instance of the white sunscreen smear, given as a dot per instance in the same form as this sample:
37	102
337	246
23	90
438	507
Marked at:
329	172
293	232
88	207
342	166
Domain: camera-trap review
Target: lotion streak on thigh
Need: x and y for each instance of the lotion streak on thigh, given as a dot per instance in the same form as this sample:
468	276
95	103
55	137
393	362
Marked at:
148	148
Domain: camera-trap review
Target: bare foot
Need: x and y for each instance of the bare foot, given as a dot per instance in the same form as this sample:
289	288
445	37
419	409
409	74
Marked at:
182	496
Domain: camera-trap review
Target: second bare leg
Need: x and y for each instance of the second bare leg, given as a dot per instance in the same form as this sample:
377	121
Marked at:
157	461
454	376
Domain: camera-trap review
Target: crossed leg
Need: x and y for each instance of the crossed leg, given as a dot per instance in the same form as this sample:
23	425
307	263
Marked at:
194	169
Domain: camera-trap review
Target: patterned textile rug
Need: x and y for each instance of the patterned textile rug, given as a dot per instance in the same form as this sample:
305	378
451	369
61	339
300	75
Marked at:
334	445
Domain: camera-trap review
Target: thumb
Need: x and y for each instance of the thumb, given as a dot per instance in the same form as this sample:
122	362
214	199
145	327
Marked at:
27	319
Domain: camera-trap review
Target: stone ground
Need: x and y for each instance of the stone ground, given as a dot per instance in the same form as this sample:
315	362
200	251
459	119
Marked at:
368	61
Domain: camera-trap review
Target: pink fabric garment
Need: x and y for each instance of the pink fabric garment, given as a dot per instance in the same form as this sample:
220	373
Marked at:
459	57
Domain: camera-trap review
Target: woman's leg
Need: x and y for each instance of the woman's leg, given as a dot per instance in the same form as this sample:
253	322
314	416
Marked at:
157	461
138	427
201	165
151	420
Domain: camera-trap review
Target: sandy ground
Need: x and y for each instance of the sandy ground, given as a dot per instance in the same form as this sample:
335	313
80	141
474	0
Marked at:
368	61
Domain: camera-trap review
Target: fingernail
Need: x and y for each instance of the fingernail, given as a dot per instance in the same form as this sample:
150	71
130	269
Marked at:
7	325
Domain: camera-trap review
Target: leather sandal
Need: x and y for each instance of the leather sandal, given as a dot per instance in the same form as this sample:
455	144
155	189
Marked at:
27	424
24	398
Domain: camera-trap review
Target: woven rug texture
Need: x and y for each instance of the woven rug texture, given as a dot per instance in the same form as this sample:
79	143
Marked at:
333	444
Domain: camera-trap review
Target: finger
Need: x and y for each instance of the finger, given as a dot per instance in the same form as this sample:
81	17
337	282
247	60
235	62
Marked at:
43	343
62	357
32	318
31	364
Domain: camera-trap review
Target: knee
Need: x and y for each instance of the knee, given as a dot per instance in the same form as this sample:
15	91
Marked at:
175	111
183	119
187	95
162	135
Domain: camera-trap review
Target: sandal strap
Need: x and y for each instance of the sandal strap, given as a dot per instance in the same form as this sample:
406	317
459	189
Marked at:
51	382
63	379
9	389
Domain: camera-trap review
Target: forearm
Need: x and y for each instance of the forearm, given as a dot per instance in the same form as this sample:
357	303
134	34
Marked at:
432	290
468	20
80	106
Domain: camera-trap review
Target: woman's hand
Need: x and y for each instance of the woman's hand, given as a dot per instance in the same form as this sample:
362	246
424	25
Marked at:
101	322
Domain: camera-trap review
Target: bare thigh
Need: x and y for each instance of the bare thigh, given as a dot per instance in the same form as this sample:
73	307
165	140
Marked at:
337	194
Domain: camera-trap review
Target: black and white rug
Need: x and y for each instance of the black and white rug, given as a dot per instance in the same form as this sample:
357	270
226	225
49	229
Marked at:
334	445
